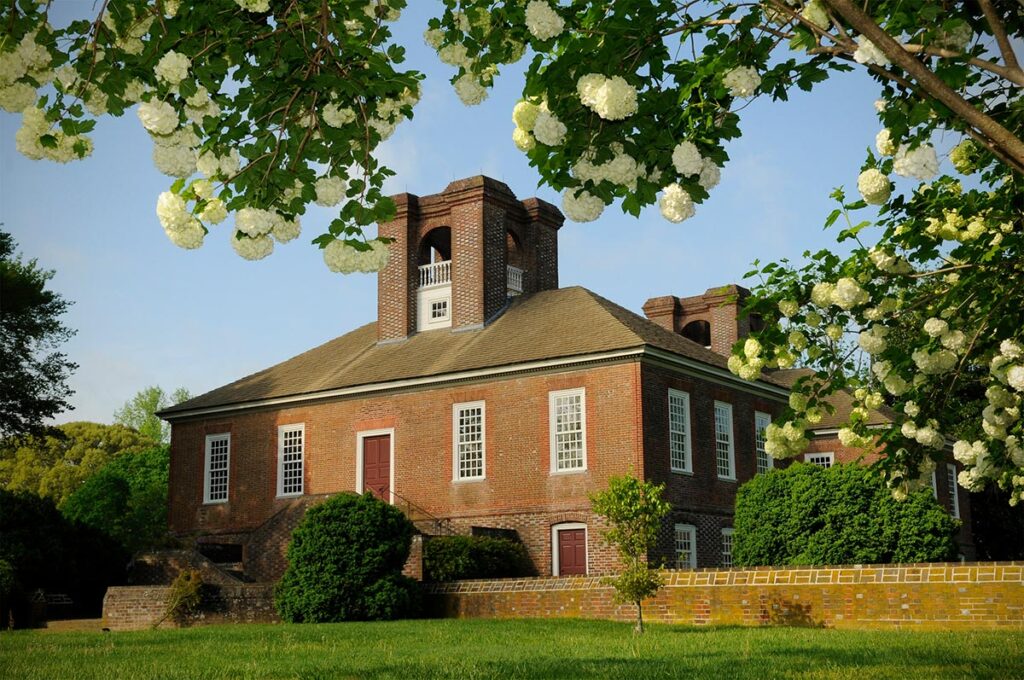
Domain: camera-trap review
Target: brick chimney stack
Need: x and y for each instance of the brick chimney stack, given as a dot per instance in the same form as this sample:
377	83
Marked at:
712	319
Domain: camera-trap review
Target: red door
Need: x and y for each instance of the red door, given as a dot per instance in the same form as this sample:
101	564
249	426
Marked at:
377	466
572	552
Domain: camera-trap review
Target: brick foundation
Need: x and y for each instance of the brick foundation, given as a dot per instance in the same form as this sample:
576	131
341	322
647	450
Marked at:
139	607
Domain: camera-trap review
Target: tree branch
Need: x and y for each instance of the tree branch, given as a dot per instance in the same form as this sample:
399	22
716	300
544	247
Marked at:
999	31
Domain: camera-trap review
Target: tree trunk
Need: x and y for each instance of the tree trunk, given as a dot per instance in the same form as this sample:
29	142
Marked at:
639	627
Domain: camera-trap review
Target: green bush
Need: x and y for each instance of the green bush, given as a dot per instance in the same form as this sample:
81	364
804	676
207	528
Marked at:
345	563
806	514
450	558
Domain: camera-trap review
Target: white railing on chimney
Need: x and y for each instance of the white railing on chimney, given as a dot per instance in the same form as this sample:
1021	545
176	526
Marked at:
435	274
515	280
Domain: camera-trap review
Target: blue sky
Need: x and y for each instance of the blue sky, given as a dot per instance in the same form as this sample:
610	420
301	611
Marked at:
150	313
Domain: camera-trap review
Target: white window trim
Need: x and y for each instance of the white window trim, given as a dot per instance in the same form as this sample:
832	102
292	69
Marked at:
552	446
954	489
693	543
455	440
935	485
206	469
360	436
766	418
816	454
727	531
732	443
291	427
554	545
687	468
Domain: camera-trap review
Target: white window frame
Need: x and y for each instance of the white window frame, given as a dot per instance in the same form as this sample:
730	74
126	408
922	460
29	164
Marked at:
692	531
552	434
687	467
935	485
444	302
727	541
555	528
820	454
954	492
291	427
360	436
731	476
761	422
457	409
210	438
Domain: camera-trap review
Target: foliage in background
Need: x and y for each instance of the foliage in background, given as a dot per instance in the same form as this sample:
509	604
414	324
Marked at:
450	558
345	563
185	597
126	499
633	510
139	412
56	464
809	515
33	372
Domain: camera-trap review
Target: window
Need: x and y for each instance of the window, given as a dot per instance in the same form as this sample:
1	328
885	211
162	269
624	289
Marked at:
439	309
954	496
215	480
821	459
726	547
686	546
290	448
761	423
935	485
724	455
468	440
679	431
568	414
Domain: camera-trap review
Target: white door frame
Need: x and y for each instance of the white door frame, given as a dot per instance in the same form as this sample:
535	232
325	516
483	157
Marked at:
555	528
360	436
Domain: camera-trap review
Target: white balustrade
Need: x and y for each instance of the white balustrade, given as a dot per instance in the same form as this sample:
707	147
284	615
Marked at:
515	280
435	274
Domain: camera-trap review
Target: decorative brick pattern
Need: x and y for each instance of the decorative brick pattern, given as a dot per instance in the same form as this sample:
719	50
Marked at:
952	596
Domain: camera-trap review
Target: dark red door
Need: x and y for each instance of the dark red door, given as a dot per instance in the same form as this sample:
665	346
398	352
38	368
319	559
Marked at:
572	552
377	466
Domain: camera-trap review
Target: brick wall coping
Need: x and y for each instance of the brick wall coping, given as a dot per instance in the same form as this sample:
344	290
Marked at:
935	572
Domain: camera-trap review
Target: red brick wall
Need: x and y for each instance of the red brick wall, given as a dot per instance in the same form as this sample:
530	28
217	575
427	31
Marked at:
939	596
139	607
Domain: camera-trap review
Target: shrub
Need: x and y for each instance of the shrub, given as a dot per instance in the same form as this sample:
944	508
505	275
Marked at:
806	514
345	563
185	597
450	558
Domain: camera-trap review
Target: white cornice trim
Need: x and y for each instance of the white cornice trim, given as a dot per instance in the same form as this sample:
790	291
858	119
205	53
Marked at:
715	374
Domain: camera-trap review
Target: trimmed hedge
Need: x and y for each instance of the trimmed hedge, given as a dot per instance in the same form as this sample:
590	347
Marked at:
809	515
451	558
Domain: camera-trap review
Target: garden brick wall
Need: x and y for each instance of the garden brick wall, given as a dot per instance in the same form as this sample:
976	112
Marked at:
968	596
139	607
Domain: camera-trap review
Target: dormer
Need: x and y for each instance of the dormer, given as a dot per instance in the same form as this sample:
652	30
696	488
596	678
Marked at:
460	255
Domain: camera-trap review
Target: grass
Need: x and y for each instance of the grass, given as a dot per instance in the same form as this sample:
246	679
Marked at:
411	650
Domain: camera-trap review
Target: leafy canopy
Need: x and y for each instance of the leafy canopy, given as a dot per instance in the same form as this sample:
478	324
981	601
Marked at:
139	412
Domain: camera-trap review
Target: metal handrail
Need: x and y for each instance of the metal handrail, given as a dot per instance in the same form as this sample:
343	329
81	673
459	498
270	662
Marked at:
441	526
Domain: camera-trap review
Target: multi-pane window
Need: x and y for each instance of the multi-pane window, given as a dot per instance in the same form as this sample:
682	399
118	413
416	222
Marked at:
290	449
686	546
761	423
820	459
468	431
568	430
724	456
218	453
954	497
726	547
439	309
679	431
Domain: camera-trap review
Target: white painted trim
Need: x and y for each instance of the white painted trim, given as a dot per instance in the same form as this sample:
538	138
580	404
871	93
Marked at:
552	449
360	436
291	427
720	376
455	440
693	543
206	468
688	457
555	528
759	418
727	531
731	477
954	489
830	454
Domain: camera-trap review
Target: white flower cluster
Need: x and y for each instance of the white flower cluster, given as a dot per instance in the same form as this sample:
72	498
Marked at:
925	435
342	258
610	98
953	226
63	148
621	170
845	293
893	383
872	340
330	191
255	6
786	441
1008	365
175	154
336	115
742	81
181	227
964	157
469	89
884	143
543	21
130	39
890	263
581	206
379	9
921	162
547	129
934	363
173	68
252	248
158	117
815	12
867	53
874	187
27	60
675	203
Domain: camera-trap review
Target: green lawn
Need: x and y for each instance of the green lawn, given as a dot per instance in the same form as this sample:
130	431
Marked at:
411	650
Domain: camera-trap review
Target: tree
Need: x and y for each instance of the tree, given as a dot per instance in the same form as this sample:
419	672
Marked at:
54	465
809	515
345	563
33	374
280	104
634	510
139	412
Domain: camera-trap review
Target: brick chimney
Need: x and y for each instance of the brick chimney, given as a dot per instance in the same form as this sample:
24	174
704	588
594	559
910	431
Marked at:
458	256
712	319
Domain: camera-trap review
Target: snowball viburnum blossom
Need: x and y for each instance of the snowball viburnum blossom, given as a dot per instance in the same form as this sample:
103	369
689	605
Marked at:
523	140
921	162
848	294
884	143
610	98
338	116
675	203
330	191
867	53
581	206
542	21
173	67
469	89
548	129
158	117
874	187
252	248
742	81
342	258
710	174
687	159
524	115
